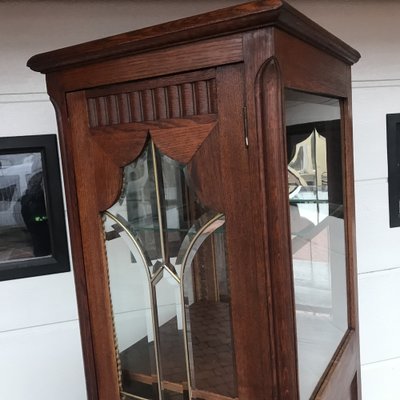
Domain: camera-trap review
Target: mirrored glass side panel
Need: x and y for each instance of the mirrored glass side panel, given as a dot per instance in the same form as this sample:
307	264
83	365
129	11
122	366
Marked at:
169	286
315	182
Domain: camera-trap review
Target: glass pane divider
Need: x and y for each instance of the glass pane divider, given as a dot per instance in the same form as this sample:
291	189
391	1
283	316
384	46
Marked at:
158	182
154	313
142	252
198	235
186	341
178	280
156	333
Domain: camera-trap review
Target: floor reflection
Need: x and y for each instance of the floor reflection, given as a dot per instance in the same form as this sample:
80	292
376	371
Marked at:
15	244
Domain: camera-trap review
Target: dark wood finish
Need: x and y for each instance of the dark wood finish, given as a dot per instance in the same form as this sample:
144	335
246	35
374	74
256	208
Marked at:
153	100
194	131
349	202
58	99
160	62
94	256
343	369
208	90
298	72
189	140
222	22
258	47
268	93
253	381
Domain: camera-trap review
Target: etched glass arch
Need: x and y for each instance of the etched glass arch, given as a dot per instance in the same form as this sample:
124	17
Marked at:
169	286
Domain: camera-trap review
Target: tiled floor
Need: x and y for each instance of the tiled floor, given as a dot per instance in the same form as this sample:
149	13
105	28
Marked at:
212	358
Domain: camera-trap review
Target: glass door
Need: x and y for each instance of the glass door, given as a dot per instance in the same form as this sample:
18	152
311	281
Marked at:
317	223
167	210
169	285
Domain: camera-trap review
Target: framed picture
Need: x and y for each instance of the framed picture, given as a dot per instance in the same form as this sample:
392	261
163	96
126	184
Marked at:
393	157
33	239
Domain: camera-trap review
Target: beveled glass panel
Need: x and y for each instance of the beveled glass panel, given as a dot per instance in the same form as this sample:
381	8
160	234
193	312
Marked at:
177	221
182	348
173	372
207	308
318	231
131	301
137	204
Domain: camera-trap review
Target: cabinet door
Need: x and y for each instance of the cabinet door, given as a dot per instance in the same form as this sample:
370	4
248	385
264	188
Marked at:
319	212
165	221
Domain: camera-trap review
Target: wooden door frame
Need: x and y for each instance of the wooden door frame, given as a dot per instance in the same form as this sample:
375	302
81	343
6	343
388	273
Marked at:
95	154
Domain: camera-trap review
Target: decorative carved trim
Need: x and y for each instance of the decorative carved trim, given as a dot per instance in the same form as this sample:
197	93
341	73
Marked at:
239	18
153	104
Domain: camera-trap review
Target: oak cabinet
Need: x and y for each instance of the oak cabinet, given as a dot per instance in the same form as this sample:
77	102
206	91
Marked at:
209	179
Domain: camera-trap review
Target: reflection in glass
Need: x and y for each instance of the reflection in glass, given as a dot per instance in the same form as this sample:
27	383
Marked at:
317	228
173	372
24	230
207	309
169	286
132	309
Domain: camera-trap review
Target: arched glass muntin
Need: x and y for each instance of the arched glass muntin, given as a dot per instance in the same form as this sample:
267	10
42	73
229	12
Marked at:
151	230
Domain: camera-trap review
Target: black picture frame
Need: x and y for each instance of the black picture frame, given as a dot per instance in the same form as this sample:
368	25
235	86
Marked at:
19	194
393	158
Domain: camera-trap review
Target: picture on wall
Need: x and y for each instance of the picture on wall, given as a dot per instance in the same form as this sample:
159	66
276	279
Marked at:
33	238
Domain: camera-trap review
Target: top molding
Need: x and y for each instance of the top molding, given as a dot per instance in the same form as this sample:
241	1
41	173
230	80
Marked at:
244	17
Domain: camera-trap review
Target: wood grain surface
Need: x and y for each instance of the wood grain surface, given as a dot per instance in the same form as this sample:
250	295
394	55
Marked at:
208	90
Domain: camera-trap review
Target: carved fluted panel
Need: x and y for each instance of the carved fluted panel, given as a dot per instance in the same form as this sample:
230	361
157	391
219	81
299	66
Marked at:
181	100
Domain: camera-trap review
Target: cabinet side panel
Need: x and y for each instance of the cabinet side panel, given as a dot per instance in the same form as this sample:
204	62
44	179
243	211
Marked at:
305	67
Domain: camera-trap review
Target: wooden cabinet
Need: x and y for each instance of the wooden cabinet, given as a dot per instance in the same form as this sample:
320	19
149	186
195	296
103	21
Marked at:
209	179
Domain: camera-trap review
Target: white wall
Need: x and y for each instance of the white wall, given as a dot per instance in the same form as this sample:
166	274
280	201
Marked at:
40	356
